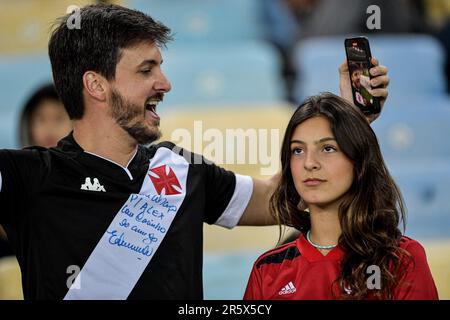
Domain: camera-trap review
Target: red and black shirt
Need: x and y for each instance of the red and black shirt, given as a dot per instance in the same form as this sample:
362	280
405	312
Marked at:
298	271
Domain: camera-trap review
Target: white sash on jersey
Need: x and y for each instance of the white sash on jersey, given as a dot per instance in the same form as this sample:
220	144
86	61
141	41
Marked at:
131	240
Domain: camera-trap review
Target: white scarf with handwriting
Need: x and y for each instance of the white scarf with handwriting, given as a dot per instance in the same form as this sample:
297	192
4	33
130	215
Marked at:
131	240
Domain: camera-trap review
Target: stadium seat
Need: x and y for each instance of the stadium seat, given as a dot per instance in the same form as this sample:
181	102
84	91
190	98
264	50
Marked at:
19	76
215	131
413	135
416	64
426	192
206	20
25	25
231	253
235	73
8	129
415	128
10	279
226	273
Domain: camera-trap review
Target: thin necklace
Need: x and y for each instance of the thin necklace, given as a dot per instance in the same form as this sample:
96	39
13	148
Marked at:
317	245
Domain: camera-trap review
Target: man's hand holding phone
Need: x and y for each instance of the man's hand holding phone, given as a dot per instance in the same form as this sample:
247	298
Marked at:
380	81
363	81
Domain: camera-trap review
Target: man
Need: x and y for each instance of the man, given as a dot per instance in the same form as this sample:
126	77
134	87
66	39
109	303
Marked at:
356	76
101	216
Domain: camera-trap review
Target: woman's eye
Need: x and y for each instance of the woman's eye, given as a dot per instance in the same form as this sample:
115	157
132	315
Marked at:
329	149
297	151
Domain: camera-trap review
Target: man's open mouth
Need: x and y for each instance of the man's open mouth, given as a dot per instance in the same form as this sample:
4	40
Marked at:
150	105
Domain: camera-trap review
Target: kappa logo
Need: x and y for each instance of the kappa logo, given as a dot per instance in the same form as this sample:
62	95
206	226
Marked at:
165	180
96	186
288	289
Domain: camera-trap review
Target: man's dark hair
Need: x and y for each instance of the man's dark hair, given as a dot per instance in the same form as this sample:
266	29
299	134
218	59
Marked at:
96	46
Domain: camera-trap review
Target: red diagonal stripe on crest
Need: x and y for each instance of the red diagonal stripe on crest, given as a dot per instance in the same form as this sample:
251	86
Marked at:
165	181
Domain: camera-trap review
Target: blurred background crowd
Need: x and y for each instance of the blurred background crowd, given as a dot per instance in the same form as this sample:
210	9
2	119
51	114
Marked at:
247	64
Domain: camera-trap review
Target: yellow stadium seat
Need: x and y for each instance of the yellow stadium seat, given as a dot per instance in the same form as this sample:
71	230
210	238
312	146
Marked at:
259	124
10	279
26	24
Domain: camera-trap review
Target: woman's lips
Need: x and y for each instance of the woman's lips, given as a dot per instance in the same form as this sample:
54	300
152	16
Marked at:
313	182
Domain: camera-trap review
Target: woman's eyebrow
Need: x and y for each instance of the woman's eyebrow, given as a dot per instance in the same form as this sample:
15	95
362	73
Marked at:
316	142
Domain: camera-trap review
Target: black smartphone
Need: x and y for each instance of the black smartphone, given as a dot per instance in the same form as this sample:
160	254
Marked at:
359	62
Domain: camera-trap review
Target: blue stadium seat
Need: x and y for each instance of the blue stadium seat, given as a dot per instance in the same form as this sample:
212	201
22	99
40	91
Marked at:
416	64
317	61
19	76
206	20
415	128
225	274
425	189
8	129
222	74
413	135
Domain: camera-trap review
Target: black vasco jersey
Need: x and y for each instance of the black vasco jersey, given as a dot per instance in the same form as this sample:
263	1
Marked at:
56	204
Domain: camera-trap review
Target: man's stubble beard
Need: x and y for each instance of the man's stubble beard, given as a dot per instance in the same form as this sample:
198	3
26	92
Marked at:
125	114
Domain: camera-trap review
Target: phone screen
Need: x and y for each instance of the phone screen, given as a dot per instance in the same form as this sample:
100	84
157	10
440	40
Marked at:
358	58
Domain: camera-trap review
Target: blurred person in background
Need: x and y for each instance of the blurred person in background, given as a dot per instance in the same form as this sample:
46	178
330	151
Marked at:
444	36
438	17
283	20
290	21
43	122
340	17
332	165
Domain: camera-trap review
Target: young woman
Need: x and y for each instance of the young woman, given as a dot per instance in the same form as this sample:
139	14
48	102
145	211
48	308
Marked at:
44	120
336	190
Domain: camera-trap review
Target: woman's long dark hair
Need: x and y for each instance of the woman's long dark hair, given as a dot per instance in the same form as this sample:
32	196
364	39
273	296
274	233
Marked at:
371	210
46	92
